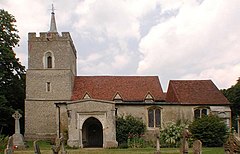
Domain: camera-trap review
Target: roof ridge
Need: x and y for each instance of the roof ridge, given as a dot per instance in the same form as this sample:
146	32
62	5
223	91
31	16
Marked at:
117	76
193	80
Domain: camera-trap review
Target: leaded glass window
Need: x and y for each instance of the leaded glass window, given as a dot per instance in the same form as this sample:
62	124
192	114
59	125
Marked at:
154	117
151	118
157	118
199	112
204	112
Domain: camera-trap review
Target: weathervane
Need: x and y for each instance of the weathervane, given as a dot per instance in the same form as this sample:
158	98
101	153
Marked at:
53	8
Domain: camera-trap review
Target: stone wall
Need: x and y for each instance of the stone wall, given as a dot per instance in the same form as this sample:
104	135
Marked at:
40	120
170	113
60	82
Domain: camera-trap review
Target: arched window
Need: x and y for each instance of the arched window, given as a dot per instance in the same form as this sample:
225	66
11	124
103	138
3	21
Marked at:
150	118
157	118
154	117
48	60
199	112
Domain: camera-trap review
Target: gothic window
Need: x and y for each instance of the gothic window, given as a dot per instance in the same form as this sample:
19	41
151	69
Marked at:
154	117
157	118
199	112
150	118
48	60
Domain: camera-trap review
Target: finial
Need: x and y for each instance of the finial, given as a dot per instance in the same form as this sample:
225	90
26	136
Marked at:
53	26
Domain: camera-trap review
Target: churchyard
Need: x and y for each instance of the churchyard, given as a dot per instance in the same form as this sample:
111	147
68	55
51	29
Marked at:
45	148
16	144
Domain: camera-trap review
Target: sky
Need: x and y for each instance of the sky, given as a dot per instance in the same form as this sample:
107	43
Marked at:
172	39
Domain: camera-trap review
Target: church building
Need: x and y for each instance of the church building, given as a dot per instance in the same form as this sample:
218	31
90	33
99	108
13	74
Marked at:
59	101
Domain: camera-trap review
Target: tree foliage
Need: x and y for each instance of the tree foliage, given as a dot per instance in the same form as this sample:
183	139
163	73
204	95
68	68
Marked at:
233	95
12	73
211	130
128	126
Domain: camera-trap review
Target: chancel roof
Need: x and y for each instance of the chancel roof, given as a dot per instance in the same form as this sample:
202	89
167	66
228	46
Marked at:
130	88
195	92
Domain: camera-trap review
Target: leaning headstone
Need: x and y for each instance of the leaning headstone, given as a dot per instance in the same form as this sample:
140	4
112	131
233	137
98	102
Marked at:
18	141
62	140
232	146
9	149
184	147
59	145
197	147
56	147
36	147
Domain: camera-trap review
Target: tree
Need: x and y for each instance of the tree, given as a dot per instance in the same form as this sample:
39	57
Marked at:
233	95
128	126
12	73
211	130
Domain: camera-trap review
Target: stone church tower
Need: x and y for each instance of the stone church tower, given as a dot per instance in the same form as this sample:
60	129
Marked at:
49	79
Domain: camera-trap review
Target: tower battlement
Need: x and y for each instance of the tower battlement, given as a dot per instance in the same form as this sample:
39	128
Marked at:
49	36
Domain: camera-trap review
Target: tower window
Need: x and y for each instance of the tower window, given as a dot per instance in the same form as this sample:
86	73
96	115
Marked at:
49	62
48	86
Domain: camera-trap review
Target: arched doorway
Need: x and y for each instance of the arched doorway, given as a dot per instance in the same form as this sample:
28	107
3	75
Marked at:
92	134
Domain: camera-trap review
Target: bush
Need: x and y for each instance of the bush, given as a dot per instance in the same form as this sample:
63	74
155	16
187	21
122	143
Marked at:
3	143
171	135
128	126
211	130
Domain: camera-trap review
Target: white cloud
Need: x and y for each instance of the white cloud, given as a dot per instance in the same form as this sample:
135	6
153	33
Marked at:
200	37
175	39
222	76
113	19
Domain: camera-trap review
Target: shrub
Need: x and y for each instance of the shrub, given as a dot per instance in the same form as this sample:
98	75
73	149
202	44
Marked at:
128	126
3	143
171	135
136	141
211	130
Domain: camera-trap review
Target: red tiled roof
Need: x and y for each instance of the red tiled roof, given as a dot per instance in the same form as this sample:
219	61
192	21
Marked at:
194	92
130	88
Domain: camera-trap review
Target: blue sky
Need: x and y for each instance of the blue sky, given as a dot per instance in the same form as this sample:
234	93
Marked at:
172	39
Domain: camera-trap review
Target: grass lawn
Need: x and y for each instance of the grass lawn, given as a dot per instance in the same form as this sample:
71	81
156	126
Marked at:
46	149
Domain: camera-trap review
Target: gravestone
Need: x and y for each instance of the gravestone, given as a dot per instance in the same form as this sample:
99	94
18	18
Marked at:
184	146
56	147
62	140
157	135
36	147
232	146
9	149
59	144
197	147
18	141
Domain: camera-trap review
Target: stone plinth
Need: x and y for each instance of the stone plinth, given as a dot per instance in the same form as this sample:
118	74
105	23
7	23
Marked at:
18	141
